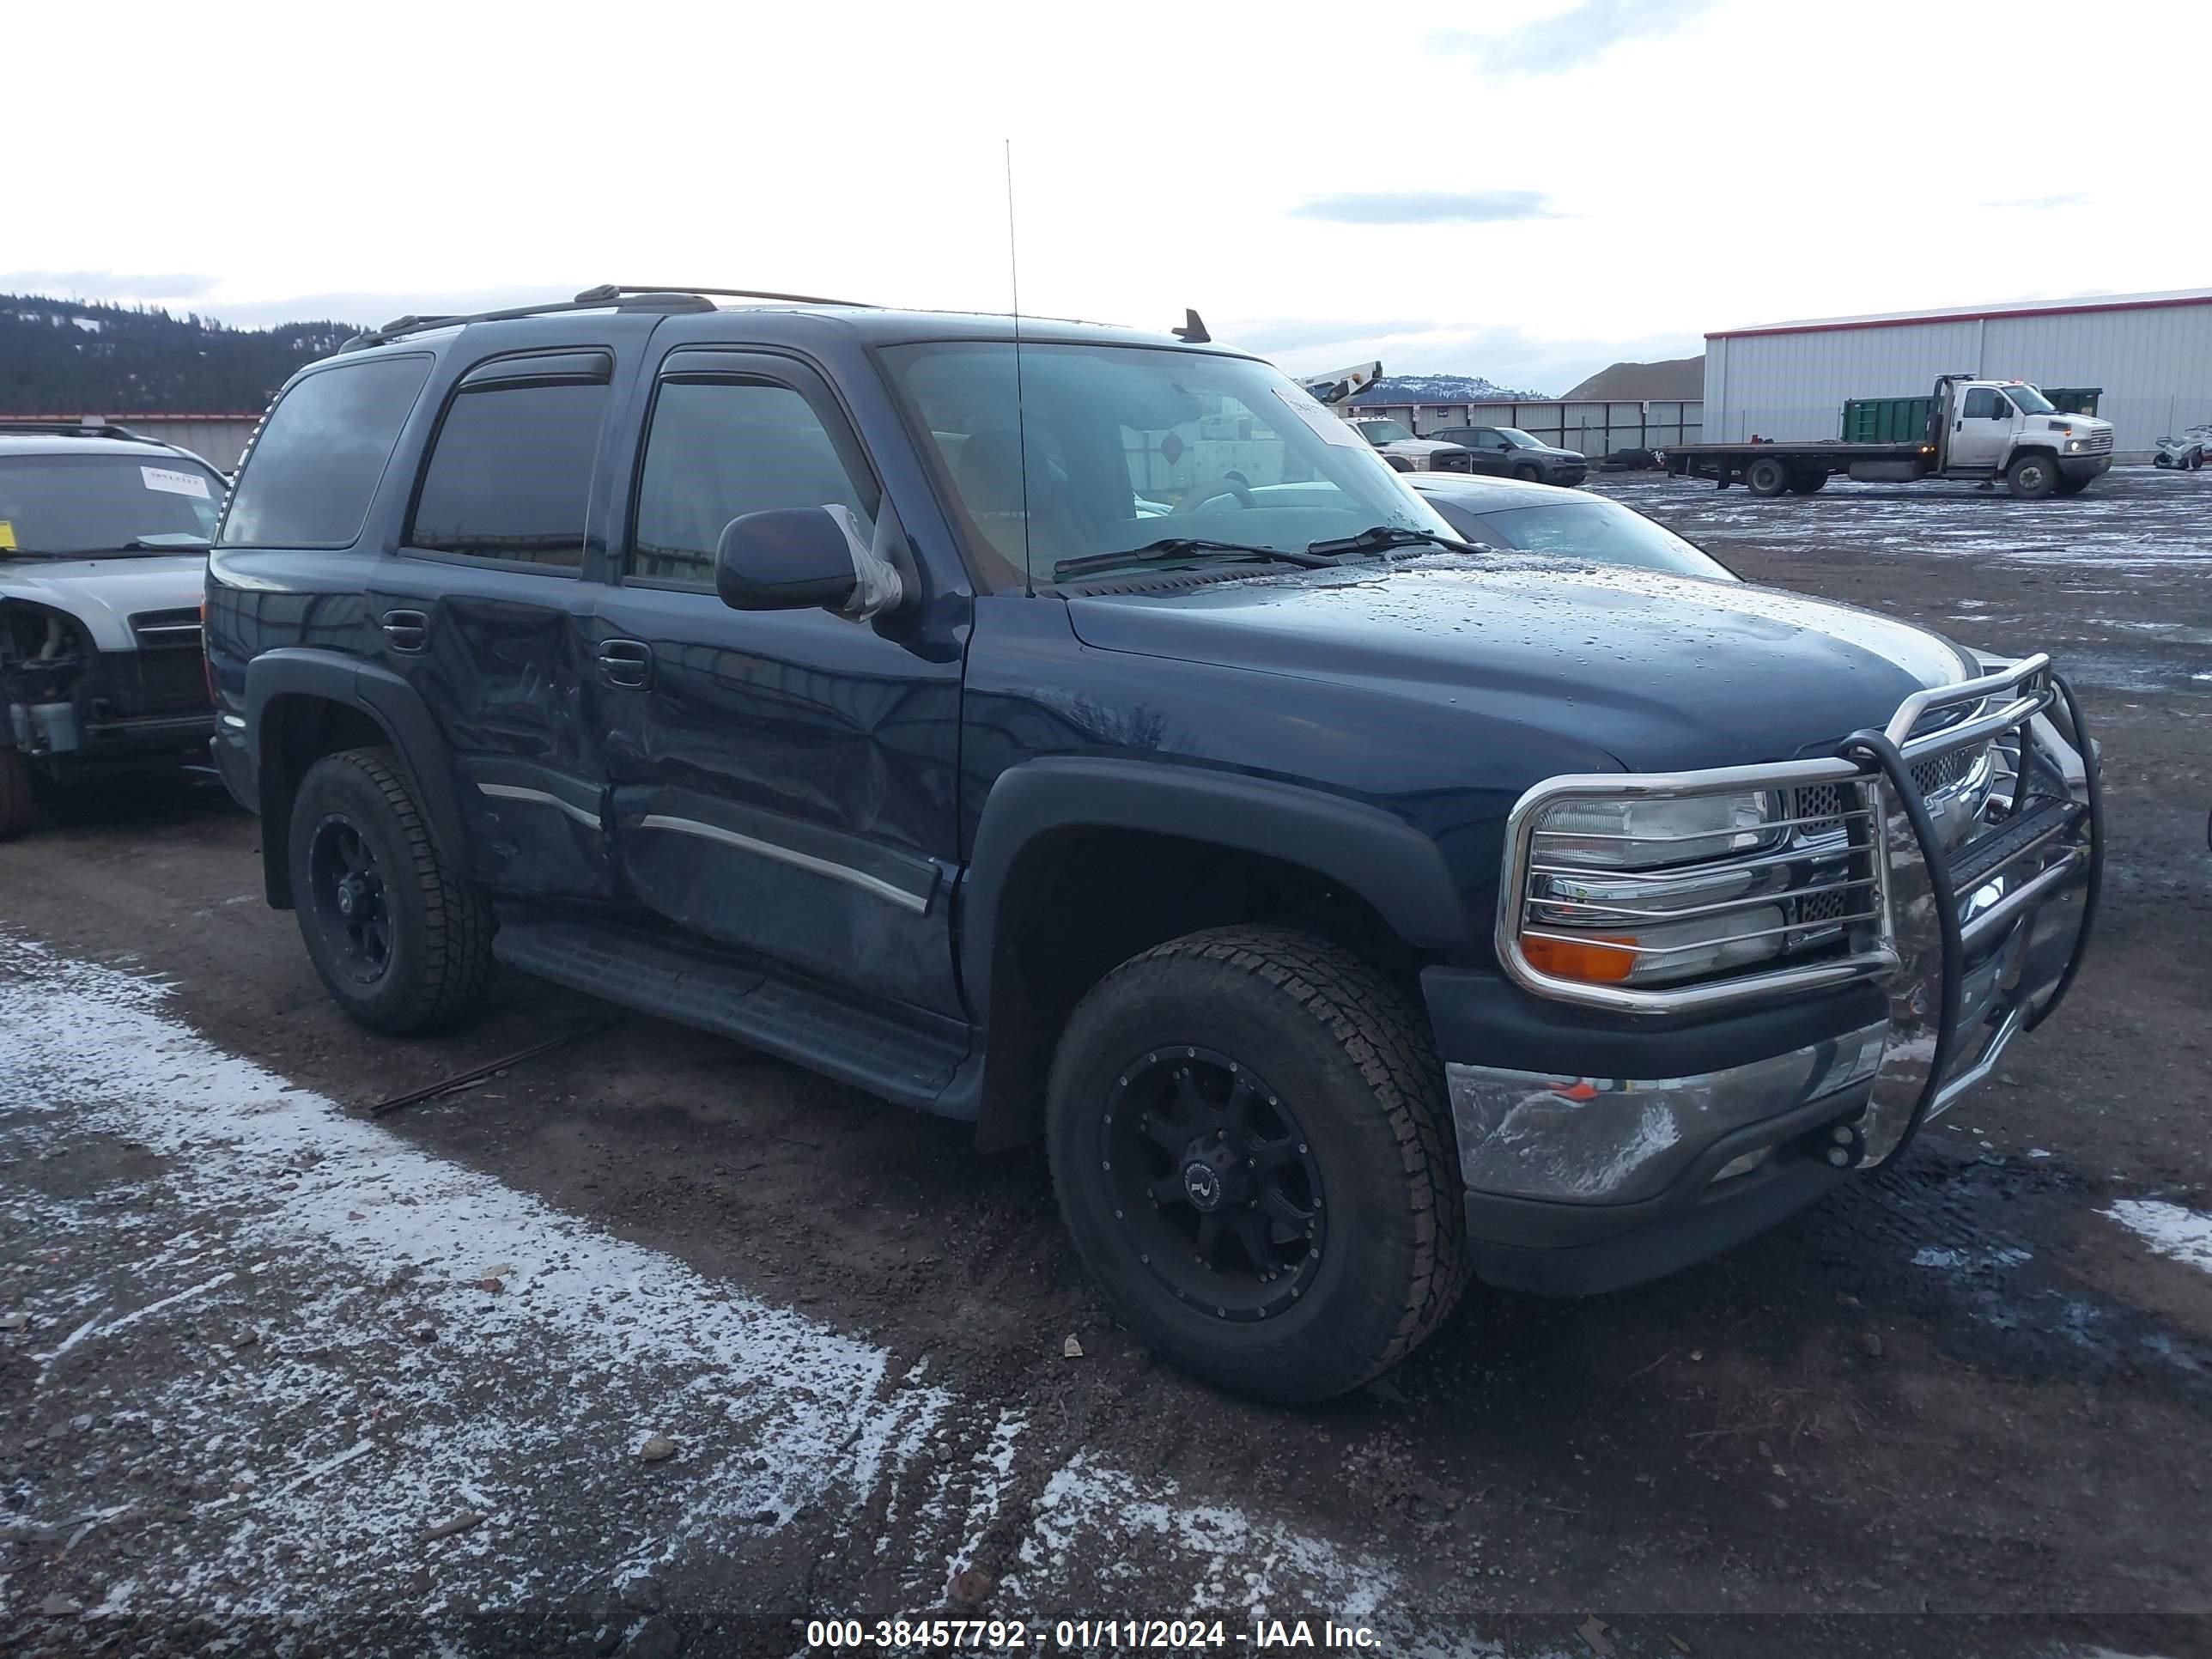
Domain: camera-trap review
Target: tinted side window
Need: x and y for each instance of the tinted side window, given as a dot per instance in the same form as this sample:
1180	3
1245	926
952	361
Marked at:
315	465
510	474
718	450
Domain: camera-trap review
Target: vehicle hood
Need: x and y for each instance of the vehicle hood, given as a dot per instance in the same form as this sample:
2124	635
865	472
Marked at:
104	594
1418	446
1553	453
1659	671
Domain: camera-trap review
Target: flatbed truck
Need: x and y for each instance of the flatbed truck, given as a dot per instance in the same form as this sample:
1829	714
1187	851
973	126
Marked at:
1986	430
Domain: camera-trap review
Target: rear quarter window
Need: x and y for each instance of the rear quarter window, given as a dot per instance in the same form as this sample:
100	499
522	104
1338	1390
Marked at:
316	464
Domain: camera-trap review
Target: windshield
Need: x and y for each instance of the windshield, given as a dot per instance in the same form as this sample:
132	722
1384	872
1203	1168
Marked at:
1382	432
2031	401
1126	446
1517	438
1591	528
106	503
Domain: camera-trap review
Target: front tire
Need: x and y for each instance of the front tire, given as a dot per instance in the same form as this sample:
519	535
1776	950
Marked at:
402	944
2032	477
1766	475
1527	474
2066	487
19	802
1250	1140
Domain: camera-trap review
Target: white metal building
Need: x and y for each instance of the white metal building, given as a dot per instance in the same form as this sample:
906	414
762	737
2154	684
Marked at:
2150	353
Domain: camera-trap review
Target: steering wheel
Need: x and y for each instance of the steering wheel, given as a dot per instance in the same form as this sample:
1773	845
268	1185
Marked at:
1229	484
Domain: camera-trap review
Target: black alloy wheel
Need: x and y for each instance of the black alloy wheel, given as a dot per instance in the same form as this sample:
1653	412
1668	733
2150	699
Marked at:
346	887
1215	1183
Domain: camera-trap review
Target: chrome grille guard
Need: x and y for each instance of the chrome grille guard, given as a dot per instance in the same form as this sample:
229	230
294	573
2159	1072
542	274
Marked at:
1955	927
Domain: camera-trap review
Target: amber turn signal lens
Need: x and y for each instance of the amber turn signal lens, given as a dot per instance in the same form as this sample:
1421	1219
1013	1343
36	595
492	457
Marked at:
1599	959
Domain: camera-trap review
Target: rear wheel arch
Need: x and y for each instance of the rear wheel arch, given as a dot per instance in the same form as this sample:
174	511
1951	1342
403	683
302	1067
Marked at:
304	704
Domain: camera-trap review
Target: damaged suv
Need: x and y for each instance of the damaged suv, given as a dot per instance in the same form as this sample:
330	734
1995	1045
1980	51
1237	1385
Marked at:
1087	736
103	555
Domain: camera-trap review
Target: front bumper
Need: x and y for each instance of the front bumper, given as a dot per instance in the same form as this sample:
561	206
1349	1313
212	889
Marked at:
1600	1148
2079	468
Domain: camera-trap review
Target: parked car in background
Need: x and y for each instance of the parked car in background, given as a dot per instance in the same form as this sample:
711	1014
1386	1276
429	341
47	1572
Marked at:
103	556
1538	518
1406	452
1507	451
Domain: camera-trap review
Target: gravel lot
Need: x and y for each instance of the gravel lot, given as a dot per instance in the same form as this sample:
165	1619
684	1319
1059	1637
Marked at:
649	1345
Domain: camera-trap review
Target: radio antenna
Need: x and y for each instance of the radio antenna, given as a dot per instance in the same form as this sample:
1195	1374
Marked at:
1021	423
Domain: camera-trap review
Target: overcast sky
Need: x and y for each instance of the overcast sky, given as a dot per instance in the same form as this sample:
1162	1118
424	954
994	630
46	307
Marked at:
1526	191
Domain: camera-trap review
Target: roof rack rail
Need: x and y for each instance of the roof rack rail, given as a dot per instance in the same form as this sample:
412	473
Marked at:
12	428
590	299
606	291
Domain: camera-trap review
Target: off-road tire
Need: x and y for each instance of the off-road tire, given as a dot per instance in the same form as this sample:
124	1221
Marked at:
1338	1041
2032	477
440	959
1807	483
1767	476
19	802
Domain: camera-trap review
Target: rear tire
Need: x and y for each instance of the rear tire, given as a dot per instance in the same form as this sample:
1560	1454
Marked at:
1248	1082
402	944
19	801
2032	477
1807	483
1766	475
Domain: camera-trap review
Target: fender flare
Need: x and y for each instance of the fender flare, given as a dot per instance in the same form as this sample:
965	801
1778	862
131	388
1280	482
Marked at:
1381	857
395	706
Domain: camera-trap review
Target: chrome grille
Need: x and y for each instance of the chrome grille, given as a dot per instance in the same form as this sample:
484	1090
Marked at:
2098	442
1943	772
1821	806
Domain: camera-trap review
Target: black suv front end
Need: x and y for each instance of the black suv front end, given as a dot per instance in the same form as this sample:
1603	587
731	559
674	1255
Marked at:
1917	901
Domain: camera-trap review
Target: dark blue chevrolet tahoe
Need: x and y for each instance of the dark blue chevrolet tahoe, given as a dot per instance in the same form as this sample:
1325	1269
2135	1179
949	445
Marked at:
1085	734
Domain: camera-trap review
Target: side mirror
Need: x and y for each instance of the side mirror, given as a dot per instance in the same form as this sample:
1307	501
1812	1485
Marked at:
789	558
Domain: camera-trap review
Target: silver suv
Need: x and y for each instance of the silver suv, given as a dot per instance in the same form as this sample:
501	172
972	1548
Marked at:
103	553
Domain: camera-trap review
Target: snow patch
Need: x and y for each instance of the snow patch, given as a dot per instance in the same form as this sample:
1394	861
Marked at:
2183	1234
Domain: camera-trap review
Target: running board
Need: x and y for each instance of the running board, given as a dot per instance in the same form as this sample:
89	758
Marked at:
887	1056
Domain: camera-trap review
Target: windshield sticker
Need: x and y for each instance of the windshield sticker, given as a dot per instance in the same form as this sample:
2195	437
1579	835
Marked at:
1327	426
174	483
7	536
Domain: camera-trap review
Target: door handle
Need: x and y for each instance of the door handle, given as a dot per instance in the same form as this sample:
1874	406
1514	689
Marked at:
626	663
407	630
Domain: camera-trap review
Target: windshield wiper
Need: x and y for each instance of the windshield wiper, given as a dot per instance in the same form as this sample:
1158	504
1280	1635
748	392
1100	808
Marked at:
140	545
1382	537
1173	547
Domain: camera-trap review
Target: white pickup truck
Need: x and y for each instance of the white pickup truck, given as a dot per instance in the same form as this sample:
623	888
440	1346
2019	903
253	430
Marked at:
1974	428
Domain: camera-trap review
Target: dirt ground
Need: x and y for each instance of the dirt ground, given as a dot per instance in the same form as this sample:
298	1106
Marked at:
280	1375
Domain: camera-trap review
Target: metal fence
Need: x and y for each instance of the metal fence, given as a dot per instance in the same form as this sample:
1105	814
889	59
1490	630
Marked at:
1597	428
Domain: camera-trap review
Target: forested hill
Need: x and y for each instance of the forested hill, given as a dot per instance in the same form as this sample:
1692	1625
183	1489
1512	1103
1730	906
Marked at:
71	358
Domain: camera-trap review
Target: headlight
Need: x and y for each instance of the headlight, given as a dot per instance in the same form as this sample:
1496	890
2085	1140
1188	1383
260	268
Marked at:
2077	445
1636	834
